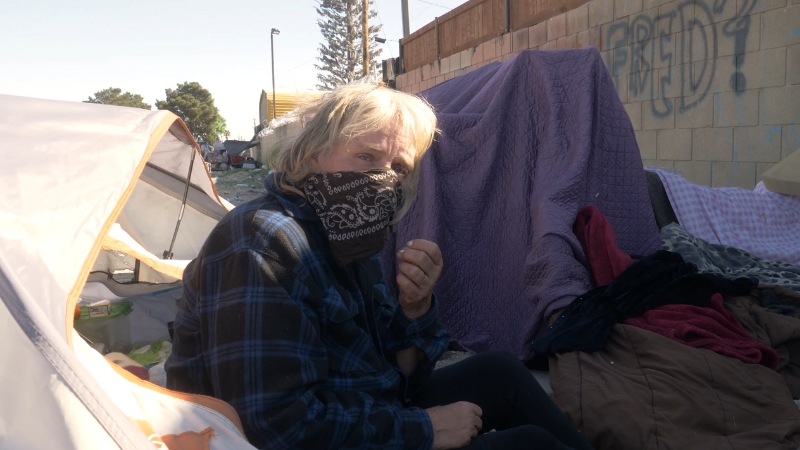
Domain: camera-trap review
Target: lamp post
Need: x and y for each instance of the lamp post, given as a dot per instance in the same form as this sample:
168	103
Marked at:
272	33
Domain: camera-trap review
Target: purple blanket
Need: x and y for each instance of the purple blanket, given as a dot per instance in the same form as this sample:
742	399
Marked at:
524	146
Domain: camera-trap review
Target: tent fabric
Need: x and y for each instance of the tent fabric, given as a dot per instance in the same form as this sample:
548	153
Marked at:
82	190
524	146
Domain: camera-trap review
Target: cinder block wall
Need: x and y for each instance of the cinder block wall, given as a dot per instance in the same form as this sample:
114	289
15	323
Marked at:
712	87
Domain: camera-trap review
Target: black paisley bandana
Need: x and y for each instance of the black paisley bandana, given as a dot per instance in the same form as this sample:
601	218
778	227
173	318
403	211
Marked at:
356	209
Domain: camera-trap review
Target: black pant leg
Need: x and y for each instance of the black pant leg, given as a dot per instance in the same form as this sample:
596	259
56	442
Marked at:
524	437
505	390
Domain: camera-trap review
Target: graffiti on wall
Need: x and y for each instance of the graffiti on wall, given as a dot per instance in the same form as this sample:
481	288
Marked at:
677	49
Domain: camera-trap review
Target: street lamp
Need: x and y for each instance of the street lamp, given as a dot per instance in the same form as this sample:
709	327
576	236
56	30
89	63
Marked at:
272	33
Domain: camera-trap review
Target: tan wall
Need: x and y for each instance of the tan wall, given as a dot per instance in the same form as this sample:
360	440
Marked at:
271	142
712	88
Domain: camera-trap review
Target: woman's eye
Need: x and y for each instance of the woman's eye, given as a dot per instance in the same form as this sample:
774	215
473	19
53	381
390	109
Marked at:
364	157
399	169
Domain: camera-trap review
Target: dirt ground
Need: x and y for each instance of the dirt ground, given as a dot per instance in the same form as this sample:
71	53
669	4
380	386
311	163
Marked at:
239	185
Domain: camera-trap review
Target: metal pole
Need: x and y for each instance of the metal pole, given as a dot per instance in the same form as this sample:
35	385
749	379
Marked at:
405	18
168	253
508	16
365	23
272	54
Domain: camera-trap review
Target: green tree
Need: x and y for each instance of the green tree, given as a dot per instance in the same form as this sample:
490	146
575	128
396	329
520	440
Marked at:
114	96
195	105
341	55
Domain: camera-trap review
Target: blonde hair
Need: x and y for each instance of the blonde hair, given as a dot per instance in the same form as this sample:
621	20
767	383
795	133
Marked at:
351	111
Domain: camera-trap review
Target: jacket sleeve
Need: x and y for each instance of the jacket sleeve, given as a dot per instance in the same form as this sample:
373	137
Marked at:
426	333
264	355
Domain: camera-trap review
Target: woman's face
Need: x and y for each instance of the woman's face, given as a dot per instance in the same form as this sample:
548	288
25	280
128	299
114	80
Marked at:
384	149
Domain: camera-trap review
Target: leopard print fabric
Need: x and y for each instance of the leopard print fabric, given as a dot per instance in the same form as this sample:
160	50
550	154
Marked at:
728	261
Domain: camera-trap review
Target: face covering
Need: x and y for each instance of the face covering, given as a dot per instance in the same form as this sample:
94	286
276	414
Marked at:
356	209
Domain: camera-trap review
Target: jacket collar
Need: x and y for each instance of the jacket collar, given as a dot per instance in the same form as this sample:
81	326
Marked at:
295	205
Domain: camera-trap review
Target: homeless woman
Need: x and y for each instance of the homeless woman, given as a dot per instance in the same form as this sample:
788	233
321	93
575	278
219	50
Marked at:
286	316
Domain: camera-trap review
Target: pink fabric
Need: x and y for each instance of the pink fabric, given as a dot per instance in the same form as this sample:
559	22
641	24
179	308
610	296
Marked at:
606	261
713	328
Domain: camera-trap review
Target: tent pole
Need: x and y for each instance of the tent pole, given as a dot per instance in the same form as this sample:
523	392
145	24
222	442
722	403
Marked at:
168	253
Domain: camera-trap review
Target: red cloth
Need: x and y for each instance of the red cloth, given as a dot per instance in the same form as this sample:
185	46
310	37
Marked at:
606	261
713	328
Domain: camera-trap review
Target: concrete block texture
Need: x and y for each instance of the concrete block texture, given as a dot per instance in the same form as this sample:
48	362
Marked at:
624	8
570	41
698	172
556	27
444	65
780	105
793	65
426	72
757	144
675	145
608	60
489	50
477	55
694	112
702	48
647	141
733	174
658	163
675	16
600	12
736	109
503	45
589	38
707	12
466	58
582	39
578	19
761	69
779	27
713	76
790	140
648	4
552	45
621	84
642	26
537	35
520	40
634	111
614	34
509	57
712	144
657	119
745	7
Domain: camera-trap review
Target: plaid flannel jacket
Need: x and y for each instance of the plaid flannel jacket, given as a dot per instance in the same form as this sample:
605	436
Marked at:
303	349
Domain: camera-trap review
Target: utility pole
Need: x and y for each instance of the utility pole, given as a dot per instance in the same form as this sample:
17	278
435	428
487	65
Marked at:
406	31
365	23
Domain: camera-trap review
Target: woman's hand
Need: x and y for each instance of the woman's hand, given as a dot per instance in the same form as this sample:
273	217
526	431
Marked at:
455	425
419	269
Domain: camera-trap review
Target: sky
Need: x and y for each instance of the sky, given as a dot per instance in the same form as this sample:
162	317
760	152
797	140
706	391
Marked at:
70	50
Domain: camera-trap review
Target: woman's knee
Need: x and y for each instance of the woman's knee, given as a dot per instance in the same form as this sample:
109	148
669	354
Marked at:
504	364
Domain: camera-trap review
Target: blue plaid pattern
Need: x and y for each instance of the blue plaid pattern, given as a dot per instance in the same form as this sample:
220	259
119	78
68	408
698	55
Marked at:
303	349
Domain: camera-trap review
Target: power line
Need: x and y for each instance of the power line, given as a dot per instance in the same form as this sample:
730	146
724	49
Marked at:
383	29
434	4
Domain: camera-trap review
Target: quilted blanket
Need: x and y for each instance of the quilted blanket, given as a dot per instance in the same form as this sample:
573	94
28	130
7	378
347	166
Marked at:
524	146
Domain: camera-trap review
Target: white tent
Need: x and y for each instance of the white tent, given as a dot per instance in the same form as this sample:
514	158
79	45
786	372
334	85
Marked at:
94	180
